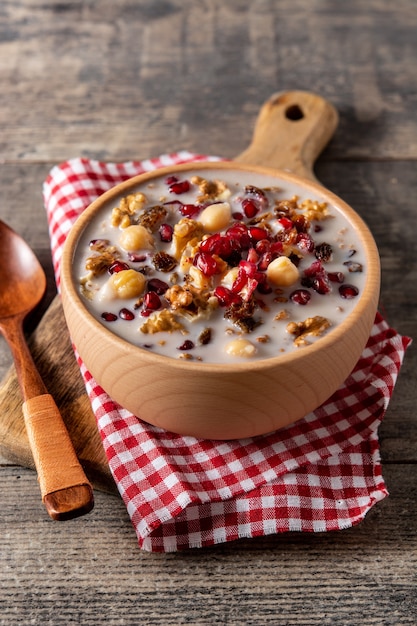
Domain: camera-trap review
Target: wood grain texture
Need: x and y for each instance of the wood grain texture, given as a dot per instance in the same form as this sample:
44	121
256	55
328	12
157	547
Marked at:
329	579
129	80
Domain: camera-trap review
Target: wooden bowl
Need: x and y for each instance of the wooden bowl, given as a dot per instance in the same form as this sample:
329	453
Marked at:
242	399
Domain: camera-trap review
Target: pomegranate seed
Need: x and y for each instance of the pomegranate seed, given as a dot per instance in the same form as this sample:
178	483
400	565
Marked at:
315	268
240	280
305	242
206	263
237	216
108	317
257	234
165	232
265	260
152	301
277	249
250	208
171	180
300	296
348	291
126	314
321	285
336	277
178	187
190	210
263	286
316	277
99	243
158	286
251	285
253	256
285	222
217	244
249	267
239	235
225	296
258	195
262	246
118	266
187	345
136	258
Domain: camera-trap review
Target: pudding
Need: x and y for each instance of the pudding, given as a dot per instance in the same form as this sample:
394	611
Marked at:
220	266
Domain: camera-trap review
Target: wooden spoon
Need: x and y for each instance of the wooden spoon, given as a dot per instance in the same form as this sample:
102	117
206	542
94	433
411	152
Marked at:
66	492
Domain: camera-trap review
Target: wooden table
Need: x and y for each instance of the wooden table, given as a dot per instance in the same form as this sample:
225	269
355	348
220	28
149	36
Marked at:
129	80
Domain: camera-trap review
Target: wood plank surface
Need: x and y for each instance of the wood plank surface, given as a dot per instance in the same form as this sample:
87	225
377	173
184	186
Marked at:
95	574
133	79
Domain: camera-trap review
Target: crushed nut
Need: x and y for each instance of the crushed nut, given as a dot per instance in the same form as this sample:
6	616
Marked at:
210	189
161	321
314	326
129	205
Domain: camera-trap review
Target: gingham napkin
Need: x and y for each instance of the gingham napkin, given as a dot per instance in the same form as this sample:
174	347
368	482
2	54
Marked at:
322	473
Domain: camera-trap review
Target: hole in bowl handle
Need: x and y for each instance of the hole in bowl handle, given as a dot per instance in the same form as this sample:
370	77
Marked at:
292	129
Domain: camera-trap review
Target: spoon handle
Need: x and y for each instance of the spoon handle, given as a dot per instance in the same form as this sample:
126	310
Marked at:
66	492
65	489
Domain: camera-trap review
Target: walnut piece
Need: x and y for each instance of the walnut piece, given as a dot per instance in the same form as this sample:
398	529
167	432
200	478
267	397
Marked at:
210	189
314	326
161	321
129	205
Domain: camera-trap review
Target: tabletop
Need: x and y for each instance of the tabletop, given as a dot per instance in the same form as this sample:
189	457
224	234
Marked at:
127	80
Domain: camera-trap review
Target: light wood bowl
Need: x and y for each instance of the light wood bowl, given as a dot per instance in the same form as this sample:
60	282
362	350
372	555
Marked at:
245	399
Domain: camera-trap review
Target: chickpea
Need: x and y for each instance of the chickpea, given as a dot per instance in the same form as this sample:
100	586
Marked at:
216	216
282	272
126	284
241	347
136	237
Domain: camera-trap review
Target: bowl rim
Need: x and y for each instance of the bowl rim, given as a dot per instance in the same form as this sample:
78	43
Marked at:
370	292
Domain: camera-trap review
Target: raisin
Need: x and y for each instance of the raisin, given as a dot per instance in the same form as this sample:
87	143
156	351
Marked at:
323	252
153	217
205	337
164	262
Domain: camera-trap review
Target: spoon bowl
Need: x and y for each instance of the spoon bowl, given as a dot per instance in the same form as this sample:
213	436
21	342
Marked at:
65	490
22	279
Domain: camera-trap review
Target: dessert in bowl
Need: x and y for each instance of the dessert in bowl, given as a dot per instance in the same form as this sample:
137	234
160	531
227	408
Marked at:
219	300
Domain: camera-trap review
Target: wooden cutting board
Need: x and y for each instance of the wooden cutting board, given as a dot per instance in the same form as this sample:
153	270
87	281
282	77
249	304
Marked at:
291	131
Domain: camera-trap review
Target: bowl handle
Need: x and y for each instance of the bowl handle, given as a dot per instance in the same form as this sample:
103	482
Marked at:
292	129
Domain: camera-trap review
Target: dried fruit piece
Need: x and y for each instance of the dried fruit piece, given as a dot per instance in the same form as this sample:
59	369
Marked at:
205	336
323	252
164	262
153	217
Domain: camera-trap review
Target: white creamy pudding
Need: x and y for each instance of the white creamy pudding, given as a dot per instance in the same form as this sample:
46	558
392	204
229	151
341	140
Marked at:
220	266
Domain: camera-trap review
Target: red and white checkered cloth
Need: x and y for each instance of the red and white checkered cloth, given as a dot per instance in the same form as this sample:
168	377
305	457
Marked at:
322	473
